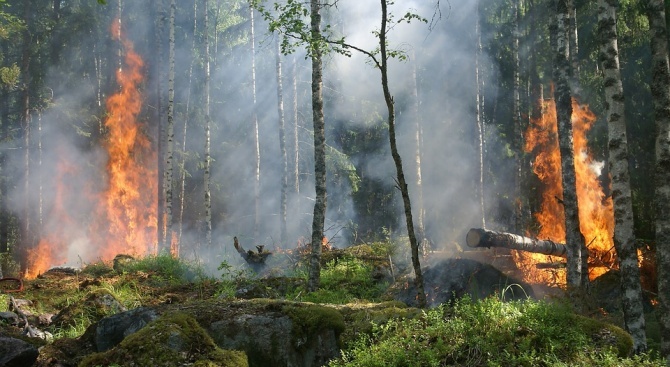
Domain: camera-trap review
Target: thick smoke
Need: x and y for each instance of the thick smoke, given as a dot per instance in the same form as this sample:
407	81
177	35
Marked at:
442	54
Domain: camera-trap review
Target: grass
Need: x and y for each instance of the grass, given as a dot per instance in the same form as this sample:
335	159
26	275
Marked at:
344	280
494	333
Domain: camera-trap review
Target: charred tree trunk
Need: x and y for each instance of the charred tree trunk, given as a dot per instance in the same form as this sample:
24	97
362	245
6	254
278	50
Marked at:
479	237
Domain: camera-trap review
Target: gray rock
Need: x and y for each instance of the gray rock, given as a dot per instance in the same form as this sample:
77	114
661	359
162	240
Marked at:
268	340
451	279
9	317
111	330
16	353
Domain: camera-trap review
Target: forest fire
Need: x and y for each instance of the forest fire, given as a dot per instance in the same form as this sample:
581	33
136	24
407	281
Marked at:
595	208
124	215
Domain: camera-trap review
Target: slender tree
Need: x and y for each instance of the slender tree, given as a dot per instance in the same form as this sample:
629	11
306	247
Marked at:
624	237
282	148
418	138
383	68
296	124
208	123
182	178
660	90
158	14
320	201
169	147
516	120
254	125
479	119
574	238
26	235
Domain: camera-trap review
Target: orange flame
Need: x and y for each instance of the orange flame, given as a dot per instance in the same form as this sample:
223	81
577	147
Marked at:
52	249
128	209
124	220
595	209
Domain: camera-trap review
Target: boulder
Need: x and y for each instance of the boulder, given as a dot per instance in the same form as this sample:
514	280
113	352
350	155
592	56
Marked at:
111	330
16	352
172	339
451	279
95	306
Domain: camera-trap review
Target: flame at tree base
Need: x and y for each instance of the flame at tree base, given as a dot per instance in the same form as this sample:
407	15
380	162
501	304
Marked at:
123	217
596	214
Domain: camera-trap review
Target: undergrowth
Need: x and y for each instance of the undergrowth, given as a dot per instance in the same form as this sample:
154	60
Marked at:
494	333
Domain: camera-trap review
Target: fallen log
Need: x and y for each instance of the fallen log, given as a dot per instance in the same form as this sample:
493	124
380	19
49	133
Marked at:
479	237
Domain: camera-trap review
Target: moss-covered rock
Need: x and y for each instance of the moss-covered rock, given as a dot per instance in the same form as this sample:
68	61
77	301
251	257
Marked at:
174	339
96	305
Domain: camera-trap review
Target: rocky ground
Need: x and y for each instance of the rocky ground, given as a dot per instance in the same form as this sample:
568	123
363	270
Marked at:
142	318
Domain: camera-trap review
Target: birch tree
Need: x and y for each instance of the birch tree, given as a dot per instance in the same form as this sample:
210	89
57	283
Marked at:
288	21
208	122
169	148
282	149
624	237
254	125
573	237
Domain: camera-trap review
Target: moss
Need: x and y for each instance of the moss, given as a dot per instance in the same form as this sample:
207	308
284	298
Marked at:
309	319
359	318
606	335
174	339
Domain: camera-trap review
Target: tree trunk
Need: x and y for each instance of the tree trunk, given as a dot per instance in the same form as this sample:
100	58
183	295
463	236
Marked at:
182	166
159	117
479	120
256	142
55	34
320	201
479	237
282	150
26	235
169	147
296	144
421	296
574	41
660	91
624	237
418	140
516	121
576	272
208	122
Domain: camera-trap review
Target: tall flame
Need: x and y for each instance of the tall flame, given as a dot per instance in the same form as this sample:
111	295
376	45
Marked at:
595	208
128	207
125	216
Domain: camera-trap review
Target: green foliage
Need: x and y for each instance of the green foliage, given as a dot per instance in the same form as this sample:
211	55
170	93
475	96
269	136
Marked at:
231	278
344	280
494	333
164	268
9	75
